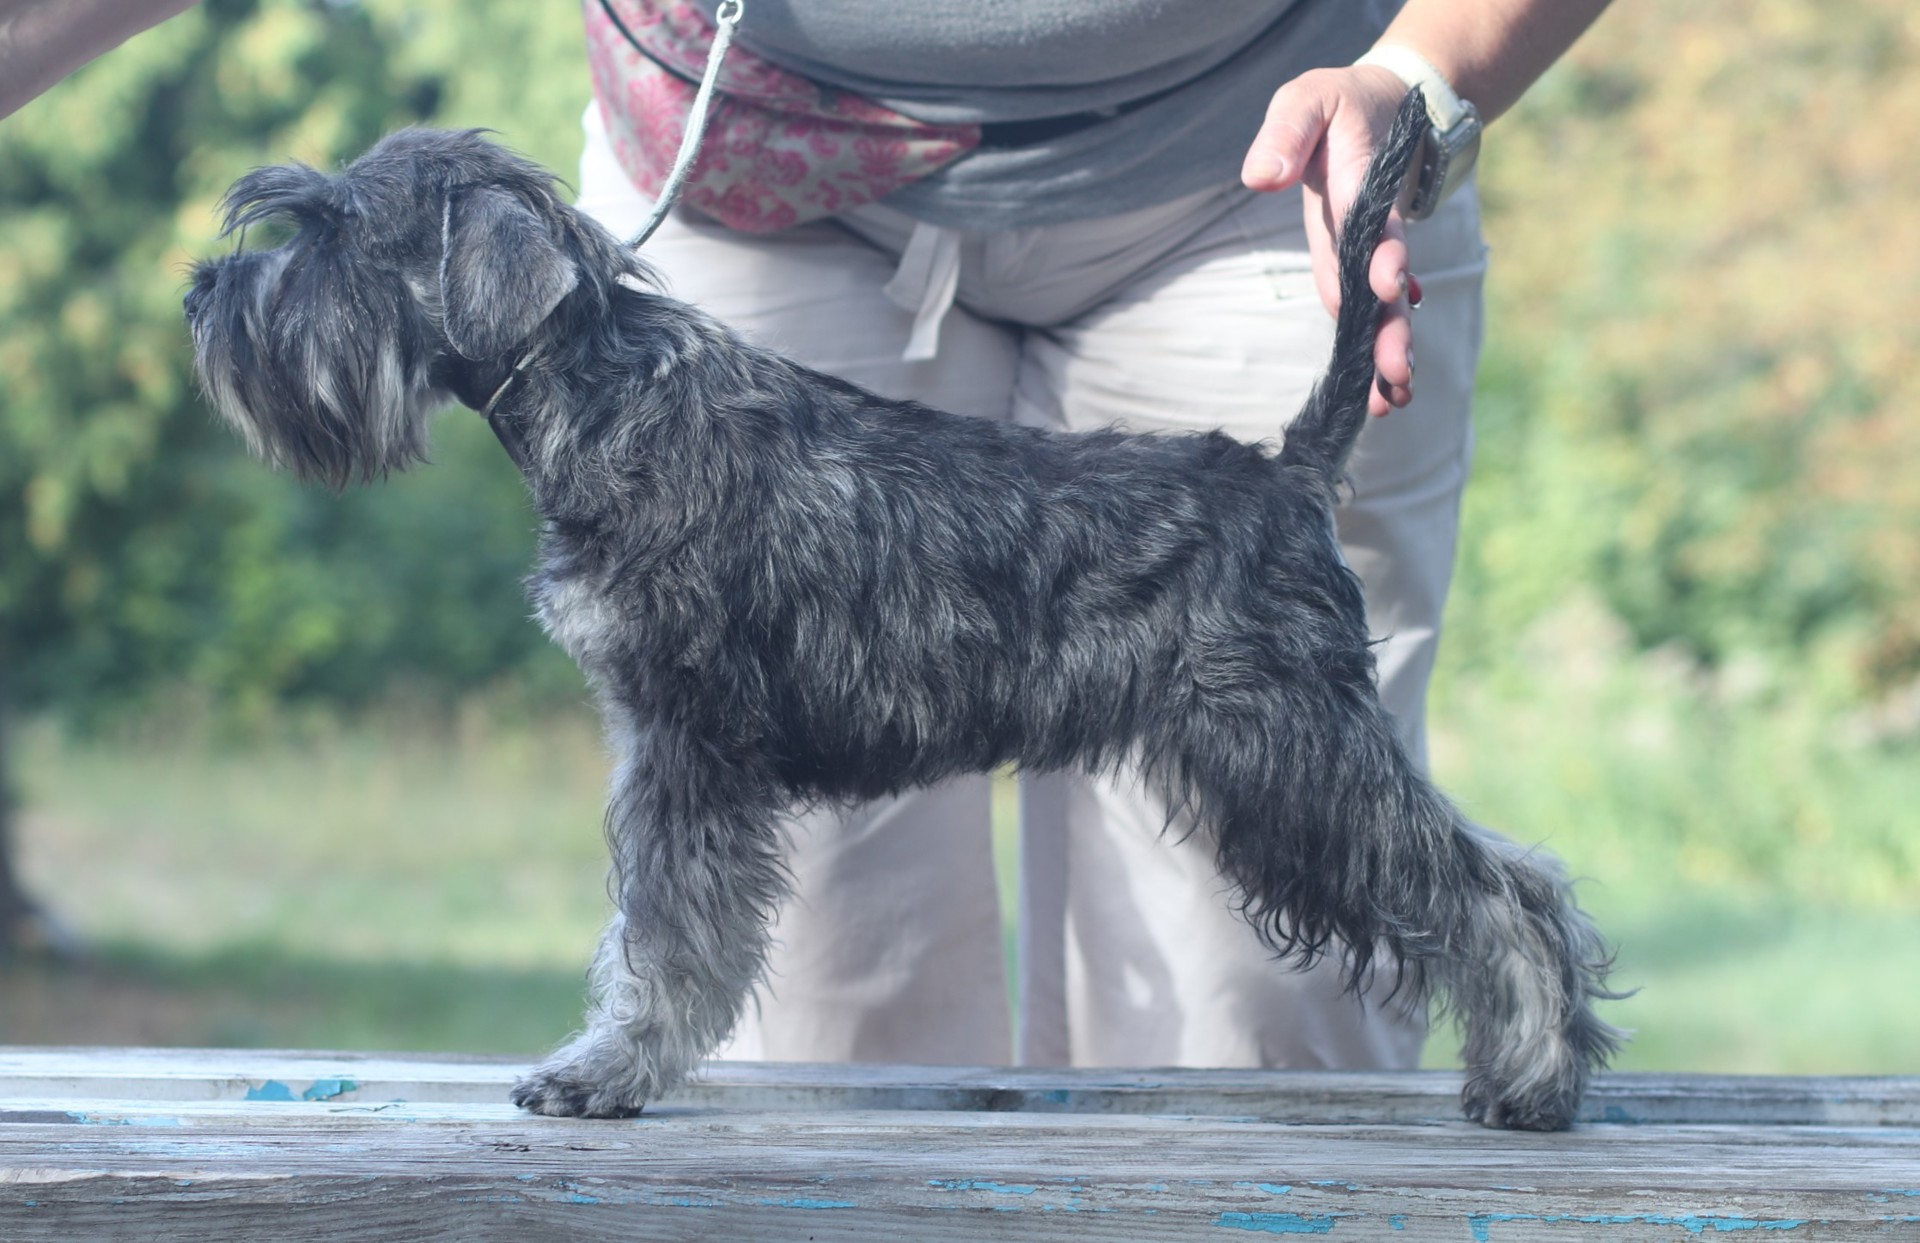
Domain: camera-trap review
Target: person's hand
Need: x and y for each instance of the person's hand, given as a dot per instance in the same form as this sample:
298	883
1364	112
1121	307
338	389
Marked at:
1320	131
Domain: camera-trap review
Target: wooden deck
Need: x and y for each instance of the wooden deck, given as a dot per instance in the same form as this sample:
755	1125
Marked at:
199	1144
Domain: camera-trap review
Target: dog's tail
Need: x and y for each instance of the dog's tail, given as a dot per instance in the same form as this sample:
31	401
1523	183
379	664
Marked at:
1322	434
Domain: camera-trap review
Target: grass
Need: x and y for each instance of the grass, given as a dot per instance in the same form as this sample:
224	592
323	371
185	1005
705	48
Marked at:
392	885
1751	853
411	886
264	996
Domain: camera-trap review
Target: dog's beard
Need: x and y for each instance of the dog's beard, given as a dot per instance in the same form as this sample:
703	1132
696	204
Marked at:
319	373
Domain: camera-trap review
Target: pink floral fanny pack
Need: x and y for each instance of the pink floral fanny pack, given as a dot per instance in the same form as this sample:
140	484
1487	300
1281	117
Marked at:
779	150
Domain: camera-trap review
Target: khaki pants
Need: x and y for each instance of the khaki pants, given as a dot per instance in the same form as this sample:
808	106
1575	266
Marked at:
1195	315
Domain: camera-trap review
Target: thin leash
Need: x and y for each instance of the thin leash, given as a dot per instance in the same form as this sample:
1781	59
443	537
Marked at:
725	18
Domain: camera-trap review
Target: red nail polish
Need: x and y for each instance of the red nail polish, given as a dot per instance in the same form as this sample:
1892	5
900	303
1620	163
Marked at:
1415	296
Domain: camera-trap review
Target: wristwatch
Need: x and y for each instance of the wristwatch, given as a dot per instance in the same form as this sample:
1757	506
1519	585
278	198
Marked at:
1453	142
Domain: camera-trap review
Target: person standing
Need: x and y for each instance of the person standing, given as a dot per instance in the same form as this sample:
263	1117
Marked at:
1079	214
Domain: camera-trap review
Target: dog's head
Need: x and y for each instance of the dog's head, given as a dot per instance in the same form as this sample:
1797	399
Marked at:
420	274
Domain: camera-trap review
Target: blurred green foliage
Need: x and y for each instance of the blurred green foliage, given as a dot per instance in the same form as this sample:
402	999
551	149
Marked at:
1704	310
137	547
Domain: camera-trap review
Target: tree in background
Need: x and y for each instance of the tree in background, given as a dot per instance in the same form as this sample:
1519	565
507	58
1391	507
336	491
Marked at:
138	546
20	917
1704	316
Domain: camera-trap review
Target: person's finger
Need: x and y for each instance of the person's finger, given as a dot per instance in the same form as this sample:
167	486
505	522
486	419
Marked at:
1393	359
1296	121
1388	273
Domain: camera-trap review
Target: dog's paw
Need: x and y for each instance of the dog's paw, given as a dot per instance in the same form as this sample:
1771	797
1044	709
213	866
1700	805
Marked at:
1544	1106
559	1094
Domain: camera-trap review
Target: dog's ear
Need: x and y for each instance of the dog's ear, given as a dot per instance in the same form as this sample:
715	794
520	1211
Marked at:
501	271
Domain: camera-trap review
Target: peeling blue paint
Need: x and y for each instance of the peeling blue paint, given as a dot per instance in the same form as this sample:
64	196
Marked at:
803	1202
1272	1189
1696	1223
327	1089
575	1195
981	1184
1398	1221
1073	1205
490	1199
1279	1223
271	1090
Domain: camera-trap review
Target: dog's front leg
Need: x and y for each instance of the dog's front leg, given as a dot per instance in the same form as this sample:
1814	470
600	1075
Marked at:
696	881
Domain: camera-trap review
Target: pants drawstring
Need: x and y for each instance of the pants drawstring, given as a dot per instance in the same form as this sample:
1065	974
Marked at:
925	283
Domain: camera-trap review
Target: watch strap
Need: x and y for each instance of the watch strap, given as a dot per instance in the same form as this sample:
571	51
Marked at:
1453	141
1445	108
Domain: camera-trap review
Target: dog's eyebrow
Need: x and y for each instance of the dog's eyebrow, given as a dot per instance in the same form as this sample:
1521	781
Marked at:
284	189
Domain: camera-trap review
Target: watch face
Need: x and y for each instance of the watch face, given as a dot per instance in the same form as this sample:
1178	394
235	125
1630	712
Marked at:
1434	159
1445	160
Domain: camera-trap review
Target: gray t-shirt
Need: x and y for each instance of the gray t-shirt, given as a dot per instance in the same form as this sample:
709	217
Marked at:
1089	107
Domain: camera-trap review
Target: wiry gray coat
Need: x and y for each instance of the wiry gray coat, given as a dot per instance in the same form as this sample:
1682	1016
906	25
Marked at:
785	590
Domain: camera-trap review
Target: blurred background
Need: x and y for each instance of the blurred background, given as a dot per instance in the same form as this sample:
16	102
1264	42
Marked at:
286	769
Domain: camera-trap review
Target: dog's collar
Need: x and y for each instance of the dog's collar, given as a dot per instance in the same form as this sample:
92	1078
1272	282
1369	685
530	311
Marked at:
510	437
500	389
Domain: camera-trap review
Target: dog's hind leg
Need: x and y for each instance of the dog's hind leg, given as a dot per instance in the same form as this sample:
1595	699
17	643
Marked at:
1338	844
1521	964
696	878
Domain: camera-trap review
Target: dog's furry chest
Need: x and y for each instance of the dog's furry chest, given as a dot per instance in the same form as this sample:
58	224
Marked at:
576	614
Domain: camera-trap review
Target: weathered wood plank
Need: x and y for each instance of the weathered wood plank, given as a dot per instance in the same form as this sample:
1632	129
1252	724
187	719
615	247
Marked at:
1276	1096
485	1171
167	1145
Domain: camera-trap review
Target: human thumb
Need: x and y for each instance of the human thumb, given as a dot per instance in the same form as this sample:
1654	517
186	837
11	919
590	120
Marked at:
1297	118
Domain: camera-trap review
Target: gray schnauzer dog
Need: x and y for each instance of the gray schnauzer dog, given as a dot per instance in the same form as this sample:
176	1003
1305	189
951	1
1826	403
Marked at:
786	591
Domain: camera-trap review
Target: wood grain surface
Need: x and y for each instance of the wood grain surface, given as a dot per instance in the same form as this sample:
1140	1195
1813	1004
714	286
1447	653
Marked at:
198	1144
